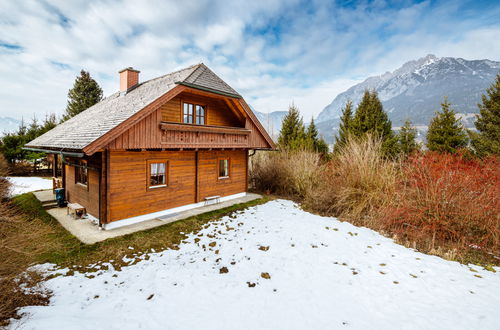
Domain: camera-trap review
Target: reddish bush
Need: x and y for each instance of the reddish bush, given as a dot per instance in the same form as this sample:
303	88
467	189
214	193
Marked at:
447	200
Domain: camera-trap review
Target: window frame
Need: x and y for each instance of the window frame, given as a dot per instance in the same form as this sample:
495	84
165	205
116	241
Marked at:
148	173
83	165
228	176
194	117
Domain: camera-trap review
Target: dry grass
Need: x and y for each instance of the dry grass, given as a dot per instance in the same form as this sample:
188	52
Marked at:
355	183
289	173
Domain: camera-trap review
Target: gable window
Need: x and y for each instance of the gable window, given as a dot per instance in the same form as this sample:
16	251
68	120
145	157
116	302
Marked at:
81	175
157	174
193	114
223	168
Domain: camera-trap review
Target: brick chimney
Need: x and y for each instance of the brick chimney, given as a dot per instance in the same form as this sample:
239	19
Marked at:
128	78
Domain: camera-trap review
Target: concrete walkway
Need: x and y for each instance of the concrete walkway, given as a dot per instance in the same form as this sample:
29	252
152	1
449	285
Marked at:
88	232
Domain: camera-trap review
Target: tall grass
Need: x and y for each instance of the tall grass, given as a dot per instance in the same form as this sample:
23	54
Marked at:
356	182
290	173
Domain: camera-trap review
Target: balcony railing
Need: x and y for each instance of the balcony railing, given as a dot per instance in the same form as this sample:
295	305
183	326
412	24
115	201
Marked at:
177	135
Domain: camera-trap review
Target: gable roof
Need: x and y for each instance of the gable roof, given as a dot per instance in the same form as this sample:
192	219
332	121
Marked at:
98	120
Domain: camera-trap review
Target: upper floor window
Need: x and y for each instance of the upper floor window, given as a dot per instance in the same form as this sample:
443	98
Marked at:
194	114
81	175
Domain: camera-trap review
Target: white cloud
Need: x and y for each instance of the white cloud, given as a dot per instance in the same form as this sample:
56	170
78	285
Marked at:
274	52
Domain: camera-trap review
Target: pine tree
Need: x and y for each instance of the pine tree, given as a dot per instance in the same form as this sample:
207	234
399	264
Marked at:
292	133
370	118
85	93
345	126
407	138
446	133
487	140
312	136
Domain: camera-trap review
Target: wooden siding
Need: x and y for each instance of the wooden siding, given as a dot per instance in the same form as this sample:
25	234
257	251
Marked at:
209	182
218	112
129	195
147	133
85	196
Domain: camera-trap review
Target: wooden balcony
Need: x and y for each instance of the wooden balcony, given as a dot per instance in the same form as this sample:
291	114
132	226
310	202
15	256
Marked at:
177	135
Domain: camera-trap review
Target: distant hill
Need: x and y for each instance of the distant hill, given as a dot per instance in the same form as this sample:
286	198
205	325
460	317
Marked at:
416	90
8	125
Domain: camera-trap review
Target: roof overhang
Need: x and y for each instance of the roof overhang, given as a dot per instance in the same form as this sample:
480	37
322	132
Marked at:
52	151
206	89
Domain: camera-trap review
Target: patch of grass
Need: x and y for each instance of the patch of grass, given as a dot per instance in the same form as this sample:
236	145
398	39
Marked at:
32	236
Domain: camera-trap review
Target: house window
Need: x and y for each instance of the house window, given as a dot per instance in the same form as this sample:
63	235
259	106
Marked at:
223	168
200	115
81	175
157	174
194	114
188	113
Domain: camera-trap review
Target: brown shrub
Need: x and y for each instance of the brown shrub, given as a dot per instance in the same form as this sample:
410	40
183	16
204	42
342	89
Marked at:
446	201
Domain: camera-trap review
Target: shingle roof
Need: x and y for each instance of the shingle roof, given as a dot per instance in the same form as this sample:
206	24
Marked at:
91	124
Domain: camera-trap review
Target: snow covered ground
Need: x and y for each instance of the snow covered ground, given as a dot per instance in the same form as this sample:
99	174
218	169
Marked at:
275	266
24	184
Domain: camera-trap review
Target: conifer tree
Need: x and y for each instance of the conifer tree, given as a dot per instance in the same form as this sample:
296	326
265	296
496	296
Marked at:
292	134
487	138
371	118
407	138
85	93
345	126
446	133
312	136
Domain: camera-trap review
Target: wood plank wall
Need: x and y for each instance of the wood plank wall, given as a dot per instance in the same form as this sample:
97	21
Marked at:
217	111
77	193
210	184
130	196
147	134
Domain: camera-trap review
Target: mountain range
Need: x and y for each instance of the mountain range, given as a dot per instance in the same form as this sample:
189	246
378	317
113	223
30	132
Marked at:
414	91
8	125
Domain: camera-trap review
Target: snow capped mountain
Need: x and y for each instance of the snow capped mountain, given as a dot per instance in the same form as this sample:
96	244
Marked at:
416	90
8	124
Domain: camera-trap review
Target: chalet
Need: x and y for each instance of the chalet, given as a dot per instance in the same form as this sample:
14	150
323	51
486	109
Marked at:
157	147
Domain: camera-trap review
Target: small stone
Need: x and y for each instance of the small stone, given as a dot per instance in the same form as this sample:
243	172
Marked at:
250	284
265	275
223	270
263	248
212	244
151	296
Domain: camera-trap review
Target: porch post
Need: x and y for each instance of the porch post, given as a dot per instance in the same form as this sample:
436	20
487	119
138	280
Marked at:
54	166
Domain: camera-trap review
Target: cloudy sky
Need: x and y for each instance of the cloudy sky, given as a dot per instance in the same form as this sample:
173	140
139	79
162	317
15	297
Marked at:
273	52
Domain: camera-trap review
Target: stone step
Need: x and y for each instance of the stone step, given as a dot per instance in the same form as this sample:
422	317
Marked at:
49	205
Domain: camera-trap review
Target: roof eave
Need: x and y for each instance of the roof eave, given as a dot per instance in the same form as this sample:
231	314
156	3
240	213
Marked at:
206	89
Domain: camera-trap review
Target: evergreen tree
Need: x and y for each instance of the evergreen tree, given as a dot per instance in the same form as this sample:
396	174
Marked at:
487	139
371	118
407	138
85	93
446	133
292	133
345	126
312	136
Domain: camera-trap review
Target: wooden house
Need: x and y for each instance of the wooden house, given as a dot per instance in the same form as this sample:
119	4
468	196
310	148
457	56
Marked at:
157	147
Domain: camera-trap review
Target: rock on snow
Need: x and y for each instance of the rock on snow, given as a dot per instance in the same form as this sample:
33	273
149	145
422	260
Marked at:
323	274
